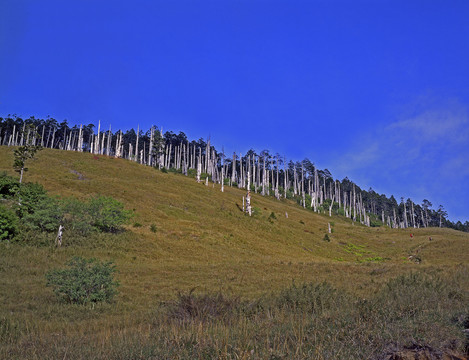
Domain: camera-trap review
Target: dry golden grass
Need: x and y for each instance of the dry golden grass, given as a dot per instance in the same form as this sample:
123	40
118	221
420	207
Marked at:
202	240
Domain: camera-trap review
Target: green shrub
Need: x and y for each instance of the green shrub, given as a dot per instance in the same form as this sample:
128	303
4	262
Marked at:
326	237
256	211
45	216
192	173
101	213
8	224
9	186
85	281
272	217
30	197
108	214
153	228
204	176
76	218
36	210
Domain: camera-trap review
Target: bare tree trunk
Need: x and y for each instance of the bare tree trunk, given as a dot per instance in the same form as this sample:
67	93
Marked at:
22	134
285	175
53	137
222	179
233	169
13	136
21	174
295	190
118	144
150	156
70	141
96	145
303	184
405	216
80	139
248	203
263	176
199	169
101	149
42	136
91	142
136	144
58	239
241	174
108	145
276	183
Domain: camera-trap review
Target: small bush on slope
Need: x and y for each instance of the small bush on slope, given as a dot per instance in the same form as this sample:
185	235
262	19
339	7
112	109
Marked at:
8	223
108	214
85	281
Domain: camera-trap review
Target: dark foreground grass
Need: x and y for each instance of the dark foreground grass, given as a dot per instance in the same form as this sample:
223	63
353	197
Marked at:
307	321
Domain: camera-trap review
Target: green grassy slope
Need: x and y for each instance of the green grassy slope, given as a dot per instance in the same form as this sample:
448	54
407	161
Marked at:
202	240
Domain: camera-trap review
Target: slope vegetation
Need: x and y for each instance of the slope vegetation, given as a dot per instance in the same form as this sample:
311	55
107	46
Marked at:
186	235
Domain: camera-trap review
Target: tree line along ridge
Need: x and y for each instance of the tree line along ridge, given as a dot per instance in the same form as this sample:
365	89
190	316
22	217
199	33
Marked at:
263	173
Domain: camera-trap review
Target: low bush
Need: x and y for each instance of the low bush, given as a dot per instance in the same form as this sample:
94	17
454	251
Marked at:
31	197
9	185
76	217
45	215
272	216
85	281
192	173
101	213
108	214
8	223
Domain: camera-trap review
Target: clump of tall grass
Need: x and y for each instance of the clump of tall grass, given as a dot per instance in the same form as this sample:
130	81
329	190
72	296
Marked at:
208	307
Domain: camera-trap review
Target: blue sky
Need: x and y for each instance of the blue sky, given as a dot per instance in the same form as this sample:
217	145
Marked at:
374	90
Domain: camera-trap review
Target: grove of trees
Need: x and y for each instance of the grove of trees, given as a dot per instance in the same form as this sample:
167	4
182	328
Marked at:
265	173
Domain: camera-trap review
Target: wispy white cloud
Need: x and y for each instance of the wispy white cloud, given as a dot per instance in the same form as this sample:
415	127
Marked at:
421	156
434	125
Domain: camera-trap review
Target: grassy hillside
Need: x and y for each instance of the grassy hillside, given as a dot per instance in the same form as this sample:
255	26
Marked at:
203	241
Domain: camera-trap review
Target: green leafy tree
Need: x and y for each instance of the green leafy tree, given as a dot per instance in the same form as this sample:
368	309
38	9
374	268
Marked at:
26	152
